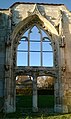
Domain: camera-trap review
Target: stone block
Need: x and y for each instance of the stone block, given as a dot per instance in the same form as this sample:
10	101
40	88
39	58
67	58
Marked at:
65	109
2	34
58	108
2	60
1	88
66	87
2	69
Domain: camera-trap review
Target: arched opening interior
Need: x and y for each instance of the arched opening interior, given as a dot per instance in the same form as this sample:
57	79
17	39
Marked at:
23	93
35	51
45	86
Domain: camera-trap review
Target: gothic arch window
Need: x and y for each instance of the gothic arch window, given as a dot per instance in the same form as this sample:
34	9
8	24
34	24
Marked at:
35	49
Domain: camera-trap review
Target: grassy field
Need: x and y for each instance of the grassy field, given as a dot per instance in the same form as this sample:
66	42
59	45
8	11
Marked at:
35	116
43	101
24	109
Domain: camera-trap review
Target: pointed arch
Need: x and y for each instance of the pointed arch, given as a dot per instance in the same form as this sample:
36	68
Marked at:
29	21
35	43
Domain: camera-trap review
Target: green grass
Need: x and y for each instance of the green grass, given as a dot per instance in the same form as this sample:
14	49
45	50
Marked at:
24	105
24	109
24	101
46	101
43	101
37	116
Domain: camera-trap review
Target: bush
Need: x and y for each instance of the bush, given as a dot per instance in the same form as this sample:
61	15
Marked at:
24	91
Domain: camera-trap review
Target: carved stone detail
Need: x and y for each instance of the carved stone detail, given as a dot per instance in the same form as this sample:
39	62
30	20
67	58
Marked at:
8	43
62	42
63	69
7	67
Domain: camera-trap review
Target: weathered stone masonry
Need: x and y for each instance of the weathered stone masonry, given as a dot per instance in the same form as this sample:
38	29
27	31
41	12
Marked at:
55	20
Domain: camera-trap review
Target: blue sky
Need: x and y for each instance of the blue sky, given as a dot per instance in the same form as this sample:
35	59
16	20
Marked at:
7	3
35	57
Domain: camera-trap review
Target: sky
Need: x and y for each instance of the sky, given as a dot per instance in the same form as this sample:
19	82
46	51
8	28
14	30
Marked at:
7	3
35	50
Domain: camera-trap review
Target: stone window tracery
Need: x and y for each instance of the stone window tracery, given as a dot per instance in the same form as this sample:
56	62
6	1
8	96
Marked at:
35	49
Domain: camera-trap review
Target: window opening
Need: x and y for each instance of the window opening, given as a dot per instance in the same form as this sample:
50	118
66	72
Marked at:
24	93
34	49
45	88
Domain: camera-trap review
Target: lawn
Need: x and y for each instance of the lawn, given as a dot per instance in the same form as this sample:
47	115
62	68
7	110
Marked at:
24	109
36	116
43	101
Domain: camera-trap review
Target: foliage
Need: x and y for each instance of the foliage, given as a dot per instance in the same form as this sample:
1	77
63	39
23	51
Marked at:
24	91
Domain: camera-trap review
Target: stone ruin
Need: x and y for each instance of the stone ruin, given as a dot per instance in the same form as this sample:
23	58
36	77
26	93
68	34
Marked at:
55	20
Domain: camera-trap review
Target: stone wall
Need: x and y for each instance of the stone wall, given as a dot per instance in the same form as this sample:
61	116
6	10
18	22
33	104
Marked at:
55	20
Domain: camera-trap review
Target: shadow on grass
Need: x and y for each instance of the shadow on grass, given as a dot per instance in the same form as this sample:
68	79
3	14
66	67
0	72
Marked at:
24	110
19	115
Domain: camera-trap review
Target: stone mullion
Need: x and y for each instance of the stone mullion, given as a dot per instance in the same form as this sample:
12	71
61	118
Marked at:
29	48
41	49
34	100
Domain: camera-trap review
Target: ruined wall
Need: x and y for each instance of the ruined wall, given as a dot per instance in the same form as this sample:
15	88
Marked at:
55	20
3	34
